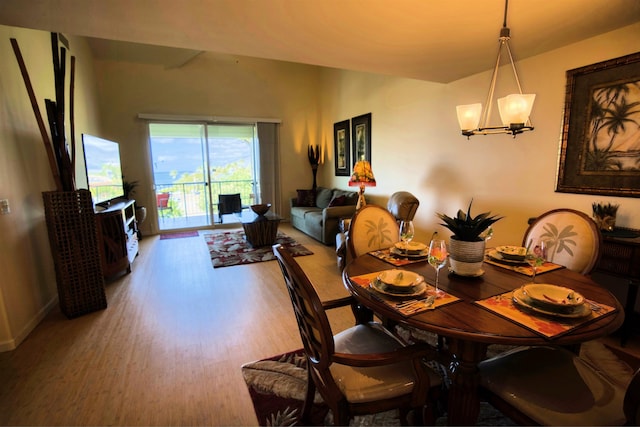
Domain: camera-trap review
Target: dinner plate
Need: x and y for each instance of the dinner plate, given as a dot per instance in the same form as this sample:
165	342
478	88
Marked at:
401	253
521	299
513	253
381	287
496	256
400	278
412	247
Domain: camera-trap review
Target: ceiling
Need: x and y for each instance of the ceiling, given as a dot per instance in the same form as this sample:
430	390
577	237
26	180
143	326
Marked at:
434	40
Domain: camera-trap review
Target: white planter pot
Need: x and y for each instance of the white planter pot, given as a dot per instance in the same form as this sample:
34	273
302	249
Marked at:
466	258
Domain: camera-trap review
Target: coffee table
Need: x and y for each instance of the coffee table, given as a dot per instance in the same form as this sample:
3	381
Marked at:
260	230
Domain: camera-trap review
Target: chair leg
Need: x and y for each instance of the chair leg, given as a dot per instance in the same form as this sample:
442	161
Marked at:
308	399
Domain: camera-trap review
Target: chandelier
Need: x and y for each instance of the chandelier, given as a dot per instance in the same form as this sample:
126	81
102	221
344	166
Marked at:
514	109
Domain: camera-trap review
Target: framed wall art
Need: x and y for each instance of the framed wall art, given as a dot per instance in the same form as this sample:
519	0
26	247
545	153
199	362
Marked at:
342	148
361	132
600	147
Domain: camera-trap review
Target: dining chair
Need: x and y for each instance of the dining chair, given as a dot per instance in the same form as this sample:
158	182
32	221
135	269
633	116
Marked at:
372	228
554	386
573	238
361	370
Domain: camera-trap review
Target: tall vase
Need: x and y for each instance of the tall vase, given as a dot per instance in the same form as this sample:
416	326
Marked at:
466	257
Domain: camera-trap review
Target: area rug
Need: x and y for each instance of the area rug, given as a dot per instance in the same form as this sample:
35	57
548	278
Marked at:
179	235
230	248
277	386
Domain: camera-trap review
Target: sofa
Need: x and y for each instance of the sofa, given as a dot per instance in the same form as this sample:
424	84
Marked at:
318	212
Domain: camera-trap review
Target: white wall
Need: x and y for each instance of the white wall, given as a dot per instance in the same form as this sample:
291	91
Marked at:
417	146
27	278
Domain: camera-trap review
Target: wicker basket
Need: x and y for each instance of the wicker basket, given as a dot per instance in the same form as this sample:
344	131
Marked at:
73	238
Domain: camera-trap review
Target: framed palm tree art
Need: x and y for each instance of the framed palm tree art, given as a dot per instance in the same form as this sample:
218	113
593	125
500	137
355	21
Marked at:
600	147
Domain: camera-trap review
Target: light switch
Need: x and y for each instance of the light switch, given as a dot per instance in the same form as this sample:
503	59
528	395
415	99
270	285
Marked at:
4	207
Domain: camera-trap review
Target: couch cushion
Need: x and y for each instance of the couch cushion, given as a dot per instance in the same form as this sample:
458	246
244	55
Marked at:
306	198
323	197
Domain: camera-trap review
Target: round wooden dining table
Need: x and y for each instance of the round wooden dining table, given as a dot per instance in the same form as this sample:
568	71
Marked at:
468	328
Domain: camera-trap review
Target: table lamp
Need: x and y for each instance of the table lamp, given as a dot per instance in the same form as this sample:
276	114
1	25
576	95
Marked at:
362	176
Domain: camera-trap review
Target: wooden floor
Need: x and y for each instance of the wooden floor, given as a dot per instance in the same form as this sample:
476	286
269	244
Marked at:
168	349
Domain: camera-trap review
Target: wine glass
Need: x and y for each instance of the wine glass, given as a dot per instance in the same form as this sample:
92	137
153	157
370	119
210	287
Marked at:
406	234
536	255
437	257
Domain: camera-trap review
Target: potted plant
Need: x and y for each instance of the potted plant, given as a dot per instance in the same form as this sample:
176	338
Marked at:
467	244
605	215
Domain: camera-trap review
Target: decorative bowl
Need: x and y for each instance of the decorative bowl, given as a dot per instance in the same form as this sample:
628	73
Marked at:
261	209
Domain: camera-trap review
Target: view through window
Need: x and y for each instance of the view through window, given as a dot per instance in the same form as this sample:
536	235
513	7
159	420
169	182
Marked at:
193	163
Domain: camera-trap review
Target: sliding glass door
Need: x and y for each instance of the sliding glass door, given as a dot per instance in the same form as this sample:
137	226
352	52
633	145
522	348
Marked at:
193	163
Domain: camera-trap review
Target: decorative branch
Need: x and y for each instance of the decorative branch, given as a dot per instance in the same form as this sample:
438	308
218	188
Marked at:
36	111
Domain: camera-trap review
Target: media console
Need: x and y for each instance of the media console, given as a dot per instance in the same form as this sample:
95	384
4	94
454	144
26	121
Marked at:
118	236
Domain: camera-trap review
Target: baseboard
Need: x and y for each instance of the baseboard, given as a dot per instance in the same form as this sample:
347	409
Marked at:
12	344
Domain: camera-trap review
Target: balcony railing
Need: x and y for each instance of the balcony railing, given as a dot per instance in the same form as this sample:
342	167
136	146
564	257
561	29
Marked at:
191	199
188	201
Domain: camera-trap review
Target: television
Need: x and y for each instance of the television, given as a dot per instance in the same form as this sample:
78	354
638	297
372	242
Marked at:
104	171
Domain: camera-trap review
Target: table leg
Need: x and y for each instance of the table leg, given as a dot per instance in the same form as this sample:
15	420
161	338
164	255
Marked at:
464	400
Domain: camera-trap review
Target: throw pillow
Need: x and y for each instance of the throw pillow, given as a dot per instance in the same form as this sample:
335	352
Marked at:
306	198
323	197
350	197
337	201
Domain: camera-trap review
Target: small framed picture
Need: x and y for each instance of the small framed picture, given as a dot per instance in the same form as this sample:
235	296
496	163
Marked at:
361	131
342	147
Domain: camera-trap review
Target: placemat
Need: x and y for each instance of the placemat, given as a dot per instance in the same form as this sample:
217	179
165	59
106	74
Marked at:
547	326
525	269
444	298
387	256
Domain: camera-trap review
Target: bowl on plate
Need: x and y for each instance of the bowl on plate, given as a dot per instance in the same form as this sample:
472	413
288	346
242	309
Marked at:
552	297
512	253
261	209
412	248
400	279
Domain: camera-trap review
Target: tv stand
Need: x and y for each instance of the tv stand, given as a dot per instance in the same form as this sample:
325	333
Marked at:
118	236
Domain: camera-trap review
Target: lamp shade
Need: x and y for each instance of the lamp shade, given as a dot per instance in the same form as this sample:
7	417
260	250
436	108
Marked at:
469	116
515	108
362	175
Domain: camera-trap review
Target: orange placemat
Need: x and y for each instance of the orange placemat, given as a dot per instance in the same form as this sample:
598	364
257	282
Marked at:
547	326
444	298
387	256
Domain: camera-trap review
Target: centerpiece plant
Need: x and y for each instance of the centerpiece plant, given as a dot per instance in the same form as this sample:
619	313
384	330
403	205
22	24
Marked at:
466	227
467	244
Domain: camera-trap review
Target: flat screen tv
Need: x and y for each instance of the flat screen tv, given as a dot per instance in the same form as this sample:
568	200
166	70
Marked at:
104	172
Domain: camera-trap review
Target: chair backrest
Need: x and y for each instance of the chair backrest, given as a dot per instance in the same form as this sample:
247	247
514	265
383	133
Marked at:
573	238
313	324
162	200
371	228
403	205
229	203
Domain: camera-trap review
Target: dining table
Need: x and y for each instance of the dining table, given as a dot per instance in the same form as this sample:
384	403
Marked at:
473	312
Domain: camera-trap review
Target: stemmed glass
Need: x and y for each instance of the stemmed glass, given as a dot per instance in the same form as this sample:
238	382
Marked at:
536	255
406	234
437	257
